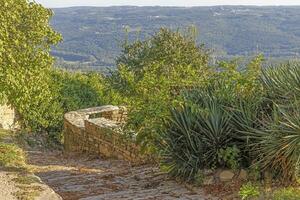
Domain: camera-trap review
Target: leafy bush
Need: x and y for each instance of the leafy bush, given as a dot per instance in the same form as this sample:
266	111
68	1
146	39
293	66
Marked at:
148	74
77	90
230	156
249	191
25	62
27	82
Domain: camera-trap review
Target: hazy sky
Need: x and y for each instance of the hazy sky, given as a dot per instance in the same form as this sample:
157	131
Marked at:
66	3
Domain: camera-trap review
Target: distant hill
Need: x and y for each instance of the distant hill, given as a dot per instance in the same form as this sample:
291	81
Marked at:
92	35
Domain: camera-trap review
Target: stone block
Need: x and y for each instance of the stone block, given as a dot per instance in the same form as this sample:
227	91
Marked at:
226	175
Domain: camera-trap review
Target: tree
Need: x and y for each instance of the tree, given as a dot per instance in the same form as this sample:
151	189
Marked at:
149	70
25	61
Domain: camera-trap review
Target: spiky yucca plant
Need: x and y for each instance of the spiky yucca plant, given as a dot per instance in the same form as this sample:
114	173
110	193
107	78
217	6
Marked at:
194	139
282	83
277	145
216	131
278	140
182	147
246	116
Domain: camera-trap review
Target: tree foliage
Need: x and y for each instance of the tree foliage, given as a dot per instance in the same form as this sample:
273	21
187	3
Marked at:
150	70
77	90
25	61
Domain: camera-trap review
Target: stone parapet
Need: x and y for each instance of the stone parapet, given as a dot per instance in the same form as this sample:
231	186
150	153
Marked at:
99	131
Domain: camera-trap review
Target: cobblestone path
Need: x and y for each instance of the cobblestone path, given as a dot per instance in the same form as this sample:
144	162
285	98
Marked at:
89	178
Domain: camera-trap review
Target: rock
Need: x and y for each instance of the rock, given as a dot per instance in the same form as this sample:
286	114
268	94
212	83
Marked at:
226	175
243	175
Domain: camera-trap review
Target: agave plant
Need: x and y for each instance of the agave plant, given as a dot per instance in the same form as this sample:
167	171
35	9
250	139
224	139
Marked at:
282	83
182	148
277	144
215	130
246	116
194	139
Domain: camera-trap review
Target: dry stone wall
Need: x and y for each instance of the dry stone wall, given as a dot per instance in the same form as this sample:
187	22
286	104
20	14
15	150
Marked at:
98	131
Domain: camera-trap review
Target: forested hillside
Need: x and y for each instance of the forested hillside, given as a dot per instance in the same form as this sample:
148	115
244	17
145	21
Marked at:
93	35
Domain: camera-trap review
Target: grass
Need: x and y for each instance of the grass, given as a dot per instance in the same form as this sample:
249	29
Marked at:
28	192
26	179
28	189
287	194
13	159
11	156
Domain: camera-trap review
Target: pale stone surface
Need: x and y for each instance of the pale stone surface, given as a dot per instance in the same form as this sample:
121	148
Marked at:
8	117
84	178
98	131
7	186
47	194
226	175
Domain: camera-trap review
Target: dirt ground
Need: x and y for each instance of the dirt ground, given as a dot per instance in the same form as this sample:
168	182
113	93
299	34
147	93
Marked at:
7	186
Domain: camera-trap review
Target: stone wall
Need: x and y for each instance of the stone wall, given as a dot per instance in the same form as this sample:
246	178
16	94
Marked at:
98	131
8	117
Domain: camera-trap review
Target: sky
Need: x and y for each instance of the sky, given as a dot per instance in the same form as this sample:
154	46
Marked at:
188	3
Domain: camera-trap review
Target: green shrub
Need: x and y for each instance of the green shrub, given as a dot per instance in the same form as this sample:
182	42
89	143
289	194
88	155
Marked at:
25	62
40	94
206	132
149	74
77	90
37	102
230	156
72	91
249	191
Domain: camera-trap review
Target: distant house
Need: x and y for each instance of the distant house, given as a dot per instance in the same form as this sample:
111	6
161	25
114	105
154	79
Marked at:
8	117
